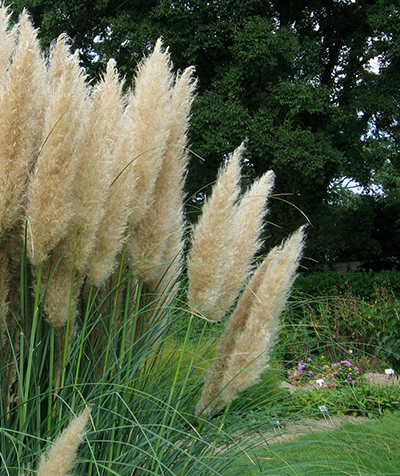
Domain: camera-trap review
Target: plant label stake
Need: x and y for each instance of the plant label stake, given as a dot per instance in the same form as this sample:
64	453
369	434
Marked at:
324	410
389	373
276	424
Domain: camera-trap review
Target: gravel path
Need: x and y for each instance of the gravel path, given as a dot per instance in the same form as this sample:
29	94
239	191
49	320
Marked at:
292	429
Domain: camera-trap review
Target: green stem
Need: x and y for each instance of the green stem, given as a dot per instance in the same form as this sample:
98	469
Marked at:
67	331
171	395
26	382
51	379
82	344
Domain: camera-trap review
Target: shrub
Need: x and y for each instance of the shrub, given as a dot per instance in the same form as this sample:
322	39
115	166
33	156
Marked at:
362	284
360	399
341	326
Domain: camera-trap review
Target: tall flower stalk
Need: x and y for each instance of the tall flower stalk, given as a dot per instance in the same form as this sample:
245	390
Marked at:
156	241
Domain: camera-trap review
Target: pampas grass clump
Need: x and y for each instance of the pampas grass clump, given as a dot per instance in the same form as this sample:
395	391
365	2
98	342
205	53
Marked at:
92	234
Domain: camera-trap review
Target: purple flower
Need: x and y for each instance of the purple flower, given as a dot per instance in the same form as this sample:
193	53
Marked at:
310	372
346	362
309	359
335	373
291	376
301	366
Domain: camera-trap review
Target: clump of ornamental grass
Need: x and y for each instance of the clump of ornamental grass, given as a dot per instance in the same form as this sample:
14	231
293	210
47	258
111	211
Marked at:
91	252
141	388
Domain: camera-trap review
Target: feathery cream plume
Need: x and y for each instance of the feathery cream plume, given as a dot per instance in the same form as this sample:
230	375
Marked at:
137	161
21	109
156	242
149	112
91	188
51	204
245	345
93	173
7	43
112	229
60	459
212	244
248	224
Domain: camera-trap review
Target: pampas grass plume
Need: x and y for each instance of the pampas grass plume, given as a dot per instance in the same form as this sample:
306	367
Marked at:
7	42
61	284
21	110
149	112
247	341
112	229
137	161
93	174
212	245
60	459
51	202
156	241
248	222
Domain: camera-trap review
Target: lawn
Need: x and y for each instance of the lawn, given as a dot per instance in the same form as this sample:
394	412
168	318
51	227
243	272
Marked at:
366	448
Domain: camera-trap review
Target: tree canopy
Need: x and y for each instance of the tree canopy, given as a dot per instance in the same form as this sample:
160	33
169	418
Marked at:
312	85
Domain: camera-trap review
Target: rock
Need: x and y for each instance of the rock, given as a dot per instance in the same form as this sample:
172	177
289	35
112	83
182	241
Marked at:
381	379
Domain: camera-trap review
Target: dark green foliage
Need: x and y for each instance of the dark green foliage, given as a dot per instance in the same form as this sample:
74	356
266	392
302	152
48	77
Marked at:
360	284
351	316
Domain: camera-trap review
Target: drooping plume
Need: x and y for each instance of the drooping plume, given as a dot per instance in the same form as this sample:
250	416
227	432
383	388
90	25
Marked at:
247	341
212	244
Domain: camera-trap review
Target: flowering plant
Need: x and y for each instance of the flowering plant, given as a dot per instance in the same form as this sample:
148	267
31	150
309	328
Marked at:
331	375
